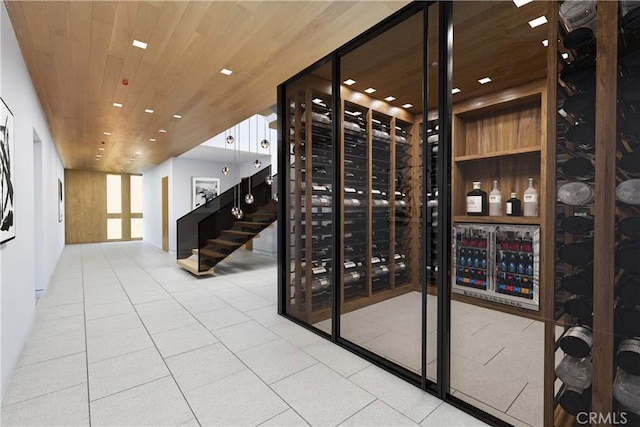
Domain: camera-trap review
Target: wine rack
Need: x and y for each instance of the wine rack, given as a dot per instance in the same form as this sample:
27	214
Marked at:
432	199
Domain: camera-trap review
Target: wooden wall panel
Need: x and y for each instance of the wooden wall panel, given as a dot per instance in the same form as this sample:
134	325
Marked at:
86	206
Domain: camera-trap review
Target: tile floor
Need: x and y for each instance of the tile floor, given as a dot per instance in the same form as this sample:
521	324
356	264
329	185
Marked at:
496	358
123	337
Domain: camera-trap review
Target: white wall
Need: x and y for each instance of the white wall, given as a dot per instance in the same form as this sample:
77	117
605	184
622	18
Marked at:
152	202
17	262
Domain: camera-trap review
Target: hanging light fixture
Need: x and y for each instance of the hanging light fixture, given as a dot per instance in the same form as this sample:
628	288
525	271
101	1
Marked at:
274	197
248	198
257	163
268	179
265	141
235	210
225	169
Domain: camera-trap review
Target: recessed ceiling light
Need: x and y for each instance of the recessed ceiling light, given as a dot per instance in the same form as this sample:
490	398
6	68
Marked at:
176	116
455	90
138	152
369	90
565	55
349	82
152	139
407	105
117	104
132	159
138	43
226	72
519	3
538	21
162	131
148	111
98	155
545	42
484	80
107	133
390	98
100	148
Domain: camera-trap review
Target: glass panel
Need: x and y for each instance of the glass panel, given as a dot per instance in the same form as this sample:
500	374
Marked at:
114	194
382	281
497	348
310	142
114	229
136	193
136	228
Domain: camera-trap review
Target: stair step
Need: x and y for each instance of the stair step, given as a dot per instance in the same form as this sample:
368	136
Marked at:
261	215
239	233
227	243
250	224
209	253
191	265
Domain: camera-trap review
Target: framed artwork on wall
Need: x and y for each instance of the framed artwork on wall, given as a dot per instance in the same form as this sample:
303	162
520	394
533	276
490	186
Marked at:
7	175
203	189
60	213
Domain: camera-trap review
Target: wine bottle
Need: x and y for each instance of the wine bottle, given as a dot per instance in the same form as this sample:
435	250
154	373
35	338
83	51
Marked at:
530	200
628	355
576	194
626	389
477	201
577	224
578	168
579	306
577	341
575	372
514	206
495	201
577	254
575	400
579	283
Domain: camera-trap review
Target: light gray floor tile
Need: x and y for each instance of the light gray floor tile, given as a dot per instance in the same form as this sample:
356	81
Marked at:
244	335
250	302
321	396
191	423
447	415
529	406
397	347
288	418
60	297
197	305
400	395
275	360
58	311
120	373
110	309
45	347
378	414
268	292
490	410
156	307
161	322
148	296
66	325
112	324
46	377
118	343
183	339
222	318
199	367
296	335
237	400
158	403
340	360
67	407
267	316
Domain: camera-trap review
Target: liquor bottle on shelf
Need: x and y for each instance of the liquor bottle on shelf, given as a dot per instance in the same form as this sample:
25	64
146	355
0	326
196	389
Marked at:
530	200
477	201
495	201
514	206
575	372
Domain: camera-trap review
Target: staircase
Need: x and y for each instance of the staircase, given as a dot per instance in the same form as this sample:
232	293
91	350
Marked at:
210	233
229	240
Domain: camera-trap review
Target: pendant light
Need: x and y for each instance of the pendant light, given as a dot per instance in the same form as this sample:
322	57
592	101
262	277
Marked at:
265	141
238	213
256	163
248	198
225	169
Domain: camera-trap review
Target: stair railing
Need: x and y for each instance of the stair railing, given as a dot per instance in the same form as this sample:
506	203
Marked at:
207	221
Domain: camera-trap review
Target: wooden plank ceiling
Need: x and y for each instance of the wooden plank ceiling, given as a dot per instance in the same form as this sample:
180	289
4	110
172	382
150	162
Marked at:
78	54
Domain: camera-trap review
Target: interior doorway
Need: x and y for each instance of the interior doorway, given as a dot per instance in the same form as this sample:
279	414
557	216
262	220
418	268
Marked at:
165	213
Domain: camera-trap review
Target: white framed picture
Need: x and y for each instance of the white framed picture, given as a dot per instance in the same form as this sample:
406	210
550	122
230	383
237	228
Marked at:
203	189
